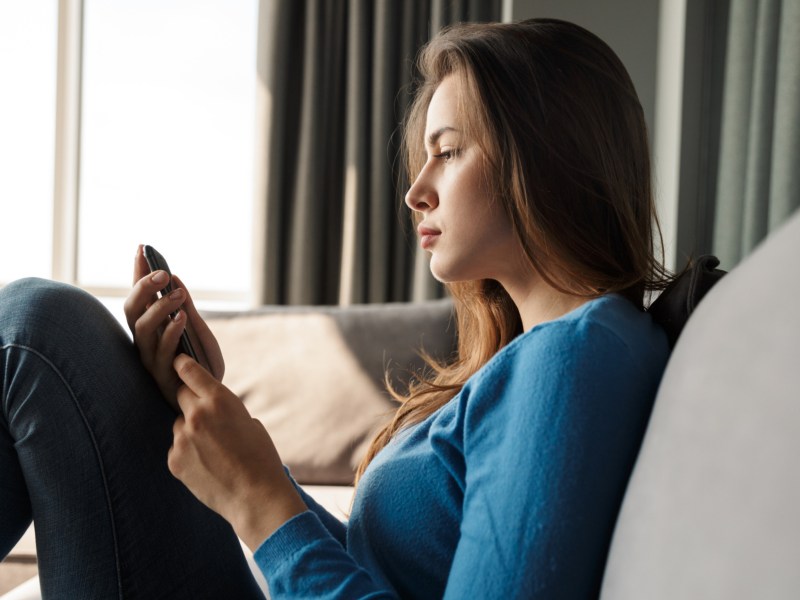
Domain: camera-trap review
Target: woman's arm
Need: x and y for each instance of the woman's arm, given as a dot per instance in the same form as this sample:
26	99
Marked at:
228	461
332	523
227	458
223	455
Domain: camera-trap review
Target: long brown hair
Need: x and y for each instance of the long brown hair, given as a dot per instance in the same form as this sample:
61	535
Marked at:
557	116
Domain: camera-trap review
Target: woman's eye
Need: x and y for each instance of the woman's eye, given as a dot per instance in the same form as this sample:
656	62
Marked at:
446	155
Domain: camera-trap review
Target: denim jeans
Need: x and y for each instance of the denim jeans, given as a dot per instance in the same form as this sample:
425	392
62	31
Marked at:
84	435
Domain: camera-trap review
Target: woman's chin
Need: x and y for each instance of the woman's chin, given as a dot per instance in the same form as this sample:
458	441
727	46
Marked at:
439	273
446	273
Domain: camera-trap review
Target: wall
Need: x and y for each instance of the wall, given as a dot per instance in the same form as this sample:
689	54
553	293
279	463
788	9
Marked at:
630	27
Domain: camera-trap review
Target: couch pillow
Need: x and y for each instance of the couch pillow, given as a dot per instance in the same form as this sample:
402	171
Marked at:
314	375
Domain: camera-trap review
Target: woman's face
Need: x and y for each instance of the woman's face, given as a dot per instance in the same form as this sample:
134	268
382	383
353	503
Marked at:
463	224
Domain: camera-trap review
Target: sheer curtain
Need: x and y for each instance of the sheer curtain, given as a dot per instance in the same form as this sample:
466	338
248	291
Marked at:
333	77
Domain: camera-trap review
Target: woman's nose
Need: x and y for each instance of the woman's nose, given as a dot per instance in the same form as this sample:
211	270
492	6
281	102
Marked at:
421	197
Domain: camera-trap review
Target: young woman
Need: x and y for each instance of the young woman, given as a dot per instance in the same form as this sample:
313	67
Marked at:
500	476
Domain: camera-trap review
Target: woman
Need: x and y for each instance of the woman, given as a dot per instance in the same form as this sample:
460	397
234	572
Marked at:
501	474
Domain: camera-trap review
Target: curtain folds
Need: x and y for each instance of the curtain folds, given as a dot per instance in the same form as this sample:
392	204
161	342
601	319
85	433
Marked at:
758	175
333	86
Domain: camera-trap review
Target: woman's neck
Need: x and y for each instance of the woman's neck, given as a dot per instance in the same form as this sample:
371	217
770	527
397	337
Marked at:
537	302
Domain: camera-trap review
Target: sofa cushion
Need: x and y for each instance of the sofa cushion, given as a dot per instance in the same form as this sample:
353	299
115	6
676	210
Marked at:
314	375
712	509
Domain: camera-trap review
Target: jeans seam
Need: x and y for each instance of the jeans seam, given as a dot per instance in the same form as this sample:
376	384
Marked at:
95	445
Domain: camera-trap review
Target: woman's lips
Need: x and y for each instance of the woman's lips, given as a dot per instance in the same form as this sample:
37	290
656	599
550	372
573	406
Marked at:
427	236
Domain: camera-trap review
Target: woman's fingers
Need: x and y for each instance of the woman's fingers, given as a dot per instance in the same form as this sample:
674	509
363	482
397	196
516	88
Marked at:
155	322
227	459
209	351
167	343
158	322
142	295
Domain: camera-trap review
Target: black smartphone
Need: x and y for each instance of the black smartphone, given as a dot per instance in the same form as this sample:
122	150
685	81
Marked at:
156	262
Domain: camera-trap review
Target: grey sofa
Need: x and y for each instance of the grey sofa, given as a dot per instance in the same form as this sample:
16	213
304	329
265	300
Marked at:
712	509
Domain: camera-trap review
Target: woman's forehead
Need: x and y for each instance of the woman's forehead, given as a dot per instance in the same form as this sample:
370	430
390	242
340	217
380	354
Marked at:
444	108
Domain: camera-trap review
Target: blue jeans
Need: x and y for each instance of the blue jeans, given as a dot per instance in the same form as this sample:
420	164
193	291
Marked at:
84	435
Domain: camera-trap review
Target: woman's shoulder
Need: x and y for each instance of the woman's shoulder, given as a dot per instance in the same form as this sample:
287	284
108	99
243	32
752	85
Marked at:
605	353
609	328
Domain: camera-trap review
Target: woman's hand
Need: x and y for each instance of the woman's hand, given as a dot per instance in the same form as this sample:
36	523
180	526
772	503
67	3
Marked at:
157	336
227	459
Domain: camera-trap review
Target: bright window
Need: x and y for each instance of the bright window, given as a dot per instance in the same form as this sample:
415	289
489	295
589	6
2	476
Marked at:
167	139
27	124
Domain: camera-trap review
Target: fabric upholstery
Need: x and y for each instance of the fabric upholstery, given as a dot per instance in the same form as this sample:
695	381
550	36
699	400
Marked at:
314	375
711	510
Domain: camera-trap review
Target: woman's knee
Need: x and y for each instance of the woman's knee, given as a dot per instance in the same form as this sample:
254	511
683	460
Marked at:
40	307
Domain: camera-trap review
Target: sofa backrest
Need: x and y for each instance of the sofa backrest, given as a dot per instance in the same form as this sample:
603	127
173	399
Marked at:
712	509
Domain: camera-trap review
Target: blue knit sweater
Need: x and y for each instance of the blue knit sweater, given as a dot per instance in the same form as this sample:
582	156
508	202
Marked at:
510	490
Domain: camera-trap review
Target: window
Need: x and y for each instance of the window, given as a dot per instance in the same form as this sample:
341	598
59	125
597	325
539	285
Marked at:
27	125
166	141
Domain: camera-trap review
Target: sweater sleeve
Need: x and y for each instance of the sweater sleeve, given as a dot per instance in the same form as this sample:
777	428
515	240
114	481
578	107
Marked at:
332	523
550	435
303	560
306	558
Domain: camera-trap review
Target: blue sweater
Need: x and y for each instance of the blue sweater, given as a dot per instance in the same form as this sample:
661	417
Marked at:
510	490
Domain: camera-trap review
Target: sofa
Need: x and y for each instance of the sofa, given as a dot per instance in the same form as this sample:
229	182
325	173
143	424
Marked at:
712	509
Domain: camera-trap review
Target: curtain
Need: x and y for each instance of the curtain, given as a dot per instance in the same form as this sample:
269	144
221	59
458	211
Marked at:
758	181
333	86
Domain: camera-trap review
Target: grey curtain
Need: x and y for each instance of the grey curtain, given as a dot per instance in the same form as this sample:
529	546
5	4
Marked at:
333	86
758	180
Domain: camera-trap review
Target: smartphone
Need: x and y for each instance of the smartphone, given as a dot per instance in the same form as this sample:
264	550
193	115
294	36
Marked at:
156	262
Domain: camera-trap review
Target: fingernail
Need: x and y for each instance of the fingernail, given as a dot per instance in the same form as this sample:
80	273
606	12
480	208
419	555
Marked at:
159	278
177	294
178	316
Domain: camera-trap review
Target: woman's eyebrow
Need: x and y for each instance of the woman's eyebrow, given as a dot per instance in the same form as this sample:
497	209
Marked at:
434	136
